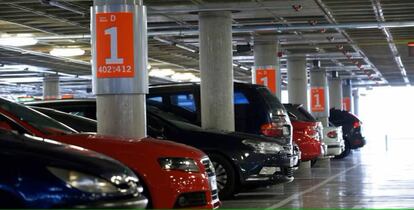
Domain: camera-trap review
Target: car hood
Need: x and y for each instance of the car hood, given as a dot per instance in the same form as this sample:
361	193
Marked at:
145	147
51	153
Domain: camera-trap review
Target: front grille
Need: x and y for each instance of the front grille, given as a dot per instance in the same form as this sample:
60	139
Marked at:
208	166
288	172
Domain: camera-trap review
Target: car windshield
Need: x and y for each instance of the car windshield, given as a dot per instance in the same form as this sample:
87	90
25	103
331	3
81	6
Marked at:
39	121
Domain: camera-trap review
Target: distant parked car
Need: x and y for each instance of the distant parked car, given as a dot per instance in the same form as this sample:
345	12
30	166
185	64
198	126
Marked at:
175	175
41	173
307	134
331	136
351	129
267	162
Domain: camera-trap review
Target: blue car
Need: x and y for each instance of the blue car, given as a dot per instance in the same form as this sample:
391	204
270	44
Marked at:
40	173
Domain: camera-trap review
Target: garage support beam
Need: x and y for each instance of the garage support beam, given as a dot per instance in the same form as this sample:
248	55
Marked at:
347	99
266	59
217	109
297	81
355	95
51	87
120	95
335	93
319	101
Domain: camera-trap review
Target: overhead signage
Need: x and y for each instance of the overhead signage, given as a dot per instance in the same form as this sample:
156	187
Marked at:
317	99
267	77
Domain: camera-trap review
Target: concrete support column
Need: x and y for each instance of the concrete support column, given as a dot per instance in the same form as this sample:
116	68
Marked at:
265	58
335	93
119	42
347	96
319	95
355	94
216	58
51	87
297	81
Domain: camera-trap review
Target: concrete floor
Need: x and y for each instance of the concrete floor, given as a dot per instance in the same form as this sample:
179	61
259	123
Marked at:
363	180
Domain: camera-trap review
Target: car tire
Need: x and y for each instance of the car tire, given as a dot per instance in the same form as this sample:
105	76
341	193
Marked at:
346	152
225	176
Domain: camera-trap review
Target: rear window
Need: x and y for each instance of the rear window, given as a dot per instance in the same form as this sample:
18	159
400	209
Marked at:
270	99
301	113
240	98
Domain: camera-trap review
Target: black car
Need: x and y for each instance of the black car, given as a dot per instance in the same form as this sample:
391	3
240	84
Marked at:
257	110
240	159
40	173
351	127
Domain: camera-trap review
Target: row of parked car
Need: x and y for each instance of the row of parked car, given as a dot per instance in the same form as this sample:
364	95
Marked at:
180	165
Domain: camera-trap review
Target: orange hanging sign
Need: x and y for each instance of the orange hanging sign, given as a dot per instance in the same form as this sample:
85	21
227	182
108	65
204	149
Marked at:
114	45
346	103
266	77
317	99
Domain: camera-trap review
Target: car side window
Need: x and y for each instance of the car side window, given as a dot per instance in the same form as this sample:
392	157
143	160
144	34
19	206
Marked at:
240	98
184	100
155	99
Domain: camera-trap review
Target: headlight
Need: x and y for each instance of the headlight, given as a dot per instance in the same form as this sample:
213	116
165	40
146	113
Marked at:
263	147
83	182
181	164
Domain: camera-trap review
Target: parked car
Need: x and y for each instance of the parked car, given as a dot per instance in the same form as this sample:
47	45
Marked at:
175	175
239	159
41	173
257	110
330	136
351	129
307	134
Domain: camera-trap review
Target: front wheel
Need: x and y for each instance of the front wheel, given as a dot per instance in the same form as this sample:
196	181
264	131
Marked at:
225	176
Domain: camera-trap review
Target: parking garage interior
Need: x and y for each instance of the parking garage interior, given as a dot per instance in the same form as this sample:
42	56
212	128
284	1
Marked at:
243	83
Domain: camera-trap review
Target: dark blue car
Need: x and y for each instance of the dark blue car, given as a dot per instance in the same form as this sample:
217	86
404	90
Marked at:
39	173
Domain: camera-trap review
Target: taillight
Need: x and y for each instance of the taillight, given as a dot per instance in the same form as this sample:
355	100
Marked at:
357	124
271	129
332	134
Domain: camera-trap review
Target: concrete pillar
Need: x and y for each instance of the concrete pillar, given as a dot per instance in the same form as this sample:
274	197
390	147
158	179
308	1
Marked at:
335	93
355	94
347	96
120	95
216	58
297	81
265	57
319	95
51	87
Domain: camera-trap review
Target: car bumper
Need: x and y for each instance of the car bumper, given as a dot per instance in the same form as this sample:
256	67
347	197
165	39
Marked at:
139	202
269	169
357	141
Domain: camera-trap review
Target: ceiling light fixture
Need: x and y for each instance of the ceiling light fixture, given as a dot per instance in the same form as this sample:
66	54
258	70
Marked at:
161	72
67	52
18	40
183	76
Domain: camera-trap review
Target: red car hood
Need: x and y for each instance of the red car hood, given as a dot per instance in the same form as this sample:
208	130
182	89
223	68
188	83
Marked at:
301	125
144	147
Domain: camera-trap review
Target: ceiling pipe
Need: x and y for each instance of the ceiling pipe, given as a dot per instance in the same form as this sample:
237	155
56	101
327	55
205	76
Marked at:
249	29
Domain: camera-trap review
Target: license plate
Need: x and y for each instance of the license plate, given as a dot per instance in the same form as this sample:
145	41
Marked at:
213	182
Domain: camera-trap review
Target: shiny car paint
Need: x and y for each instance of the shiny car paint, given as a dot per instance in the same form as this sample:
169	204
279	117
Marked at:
336	143
28	183
228	144
141	155
306	136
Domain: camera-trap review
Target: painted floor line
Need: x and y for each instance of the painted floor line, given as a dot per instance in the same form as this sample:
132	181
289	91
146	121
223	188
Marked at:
297	195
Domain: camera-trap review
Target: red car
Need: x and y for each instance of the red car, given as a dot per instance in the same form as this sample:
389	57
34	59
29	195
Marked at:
307	136
174	175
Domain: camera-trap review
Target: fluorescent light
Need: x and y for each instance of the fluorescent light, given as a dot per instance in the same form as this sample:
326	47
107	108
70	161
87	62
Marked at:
149	66
161	72
185	48
17	41
235	65
183	77
67	52
244	68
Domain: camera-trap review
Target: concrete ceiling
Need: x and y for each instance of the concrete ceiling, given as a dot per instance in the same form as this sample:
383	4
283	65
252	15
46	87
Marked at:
332	31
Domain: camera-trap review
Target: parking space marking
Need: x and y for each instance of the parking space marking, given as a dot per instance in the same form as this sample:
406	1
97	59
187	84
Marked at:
297	195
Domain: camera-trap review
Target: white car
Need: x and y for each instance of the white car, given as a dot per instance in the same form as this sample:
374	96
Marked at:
332	137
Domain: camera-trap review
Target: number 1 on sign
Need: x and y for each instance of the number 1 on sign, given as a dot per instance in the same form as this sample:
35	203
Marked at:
113	33
265	81
317	100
